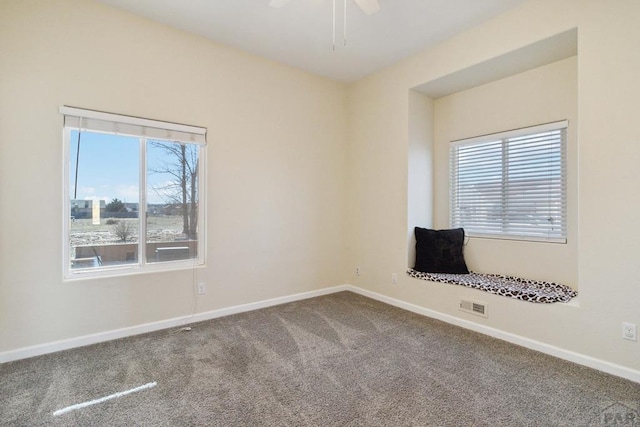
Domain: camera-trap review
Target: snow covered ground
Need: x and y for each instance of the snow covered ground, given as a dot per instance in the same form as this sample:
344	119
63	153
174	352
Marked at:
159	229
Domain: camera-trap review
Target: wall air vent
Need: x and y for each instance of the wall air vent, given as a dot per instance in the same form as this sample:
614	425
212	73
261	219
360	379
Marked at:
474	307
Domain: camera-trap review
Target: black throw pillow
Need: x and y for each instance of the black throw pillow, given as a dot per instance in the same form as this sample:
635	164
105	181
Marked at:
440	251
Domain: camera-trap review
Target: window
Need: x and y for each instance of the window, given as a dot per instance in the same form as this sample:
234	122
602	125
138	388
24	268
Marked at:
134	194
511	185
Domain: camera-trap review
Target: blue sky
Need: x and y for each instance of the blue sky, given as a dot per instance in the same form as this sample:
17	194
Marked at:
108	168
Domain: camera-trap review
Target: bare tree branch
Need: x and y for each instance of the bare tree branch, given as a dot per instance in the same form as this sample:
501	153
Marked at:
182	188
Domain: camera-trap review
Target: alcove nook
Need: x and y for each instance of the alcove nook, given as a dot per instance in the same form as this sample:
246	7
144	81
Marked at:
532	85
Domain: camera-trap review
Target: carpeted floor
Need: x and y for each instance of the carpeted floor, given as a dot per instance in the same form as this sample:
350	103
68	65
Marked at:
336	360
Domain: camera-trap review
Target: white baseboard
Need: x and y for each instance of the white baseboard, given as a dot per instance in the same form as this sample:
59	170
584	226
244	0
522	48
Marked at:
581	359
38	350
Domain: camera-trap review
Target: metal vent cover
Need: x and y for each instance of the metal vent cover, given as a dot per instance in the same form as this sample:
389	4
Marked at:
473	307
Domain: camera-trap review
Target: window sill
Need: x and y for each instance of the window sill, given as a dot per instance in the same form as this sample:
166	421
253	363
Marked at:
130	270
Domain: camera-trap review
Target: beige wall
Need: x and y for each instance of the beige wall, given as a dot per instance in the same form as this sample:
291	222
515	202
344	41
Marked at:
306	178
420	165
543	95
603	266
276	167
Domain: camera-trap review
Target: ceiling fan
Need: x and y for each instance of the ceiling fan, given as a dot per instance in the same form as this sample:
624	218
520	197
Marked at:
368	6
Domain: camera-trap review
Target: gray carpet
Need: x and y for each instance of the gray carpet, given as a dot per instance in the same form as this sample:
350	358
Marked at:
336	360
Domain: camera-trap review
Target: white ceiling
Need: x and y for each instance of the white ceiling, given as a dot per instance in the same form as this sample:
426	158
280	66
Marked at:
300	33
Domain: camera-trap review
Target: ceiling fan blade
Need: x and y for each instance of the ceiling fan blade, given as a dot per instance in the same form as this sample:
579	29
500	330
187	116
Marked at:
278	3
368	6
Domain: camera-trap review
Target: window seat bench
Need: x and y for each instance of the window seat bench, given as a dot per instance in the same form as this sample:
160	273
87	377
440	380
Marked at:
508	286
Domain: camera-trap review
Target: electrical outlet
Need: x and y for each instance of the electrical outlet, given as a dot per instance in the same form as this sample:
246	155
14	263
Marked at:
394	278
357	271
629	331
202	288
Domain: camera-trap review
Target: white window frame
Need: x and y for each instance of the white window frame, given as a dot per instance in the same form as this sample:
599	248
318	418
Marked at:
98	121
508	231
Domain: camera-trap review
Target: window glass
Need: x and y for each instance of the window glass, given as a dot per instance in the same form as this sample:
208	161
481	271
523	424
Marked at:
172	201
104	198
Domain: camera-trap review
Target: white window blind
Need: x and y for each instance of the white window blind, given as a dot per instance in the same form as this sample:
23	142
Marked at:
511	185
127	125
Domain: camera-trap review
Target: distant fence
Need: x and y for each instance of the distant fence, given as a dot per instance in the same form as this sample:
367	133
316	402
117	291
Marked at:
118	214
121	253
103	214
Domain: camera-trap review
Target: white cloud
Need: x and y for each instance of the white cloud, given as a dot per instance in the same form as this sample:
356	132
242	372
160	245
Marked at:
127	193
159	192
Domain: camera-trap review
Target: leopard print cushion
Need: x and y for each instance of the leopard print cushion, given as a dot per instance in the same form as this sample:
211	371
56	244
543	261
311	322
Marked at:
508	286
